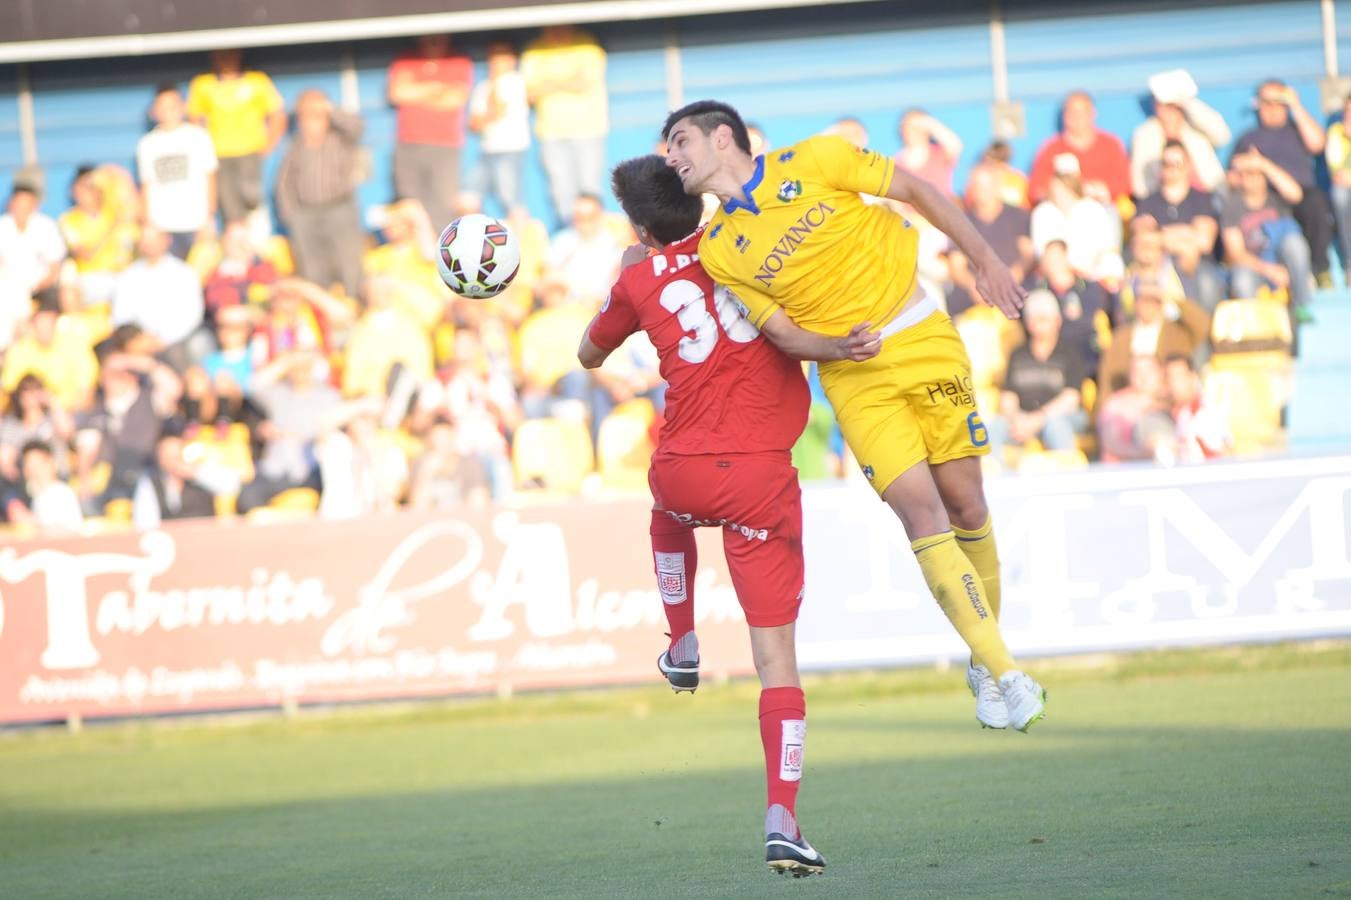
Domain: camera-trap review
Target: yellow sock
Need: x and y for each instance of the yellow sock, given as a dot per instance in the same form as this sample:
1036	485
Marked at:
957	588
980	549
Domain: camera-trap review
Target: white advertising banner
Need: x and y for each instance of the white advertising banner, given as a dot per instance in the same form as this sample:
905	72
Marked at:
1104	559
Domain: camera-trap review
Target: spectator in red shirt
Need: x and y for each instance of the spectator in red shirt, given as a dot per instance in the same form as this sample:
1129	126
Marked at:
1202	432
1103	163
929	150
430	88
1133	422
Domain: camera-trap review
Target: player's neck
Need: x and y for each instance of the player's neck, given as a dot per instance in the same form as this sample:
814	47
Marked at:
730	181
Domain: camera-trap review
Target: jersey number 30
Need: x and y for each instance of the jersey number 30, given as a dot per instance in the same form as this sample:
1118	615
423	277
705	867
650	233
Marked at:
687	300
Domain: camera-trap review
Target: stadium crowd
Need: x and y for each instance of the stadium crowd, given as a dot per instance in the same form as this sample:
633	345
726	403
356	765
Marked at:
168	352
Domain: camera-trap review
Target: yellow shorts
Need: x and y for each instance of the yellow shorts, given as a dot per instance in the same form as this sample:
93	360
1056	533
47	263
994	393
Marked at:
912	402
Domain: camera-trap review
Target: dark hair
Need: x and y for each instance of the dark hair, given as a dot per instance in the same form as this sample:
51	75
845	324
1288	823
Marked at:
1180	358
29	380
652	197
1171	144
166	87
22	188
35	447
707	115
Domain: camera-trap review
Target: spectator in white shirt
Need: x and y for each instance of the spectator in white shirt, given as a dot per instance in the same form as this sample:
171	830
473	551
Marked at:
163	296
31	248
499	112
51	503
583	259
176	162
1090	230
1178	116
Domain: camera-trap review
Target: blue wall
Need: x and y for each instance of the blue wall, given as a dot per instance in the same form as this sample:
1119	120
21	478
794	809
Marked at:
791	71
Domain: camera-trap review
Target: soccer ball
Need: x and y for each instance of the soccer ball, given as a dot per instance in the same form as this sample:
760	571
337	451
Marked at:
477	256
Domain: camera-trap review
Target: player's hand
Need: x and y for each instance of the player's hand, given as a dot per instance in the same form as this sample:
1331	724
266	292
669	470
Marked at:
634	254
995	285
861	343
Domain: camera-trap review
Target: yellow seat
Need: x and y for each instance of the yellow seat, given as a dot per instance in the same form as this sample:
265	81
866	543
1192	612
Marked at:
231	450
1251	326
624	445
989	339
1252	389
549	339
301	499
552	453
118	510
278	252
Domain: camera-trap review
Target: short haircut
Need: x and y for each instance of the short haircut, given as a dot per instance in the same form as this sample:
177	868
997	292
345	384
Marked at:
653	197
707	115
22	188
1180	358
166	87
1171	144
1271	82
35	447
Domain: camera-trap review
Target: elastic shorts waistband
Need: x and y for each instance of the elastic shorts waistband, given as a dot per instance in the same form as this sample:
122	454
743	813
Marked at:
921	307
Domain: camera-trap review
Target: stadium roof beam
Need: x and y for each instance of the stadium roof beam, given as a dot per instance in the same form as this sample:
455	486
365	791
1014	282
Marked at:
522	16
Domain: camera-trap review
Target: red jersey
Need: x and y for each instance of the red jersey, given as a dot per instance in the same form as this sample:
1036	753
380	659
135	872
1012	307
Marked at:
420	124
730	390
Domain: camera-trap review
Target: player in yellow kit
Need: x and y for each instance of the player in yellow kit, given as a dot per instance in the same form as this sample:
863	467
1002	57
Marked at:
796	243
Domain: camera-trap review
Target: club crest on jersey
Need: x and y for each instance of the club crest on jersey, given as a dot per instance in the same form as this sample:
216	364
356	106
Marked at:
789	190
786	155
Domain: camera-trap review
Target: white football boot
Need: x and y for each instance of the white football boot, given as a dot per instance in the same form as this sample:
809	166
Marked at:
1024	698
990	709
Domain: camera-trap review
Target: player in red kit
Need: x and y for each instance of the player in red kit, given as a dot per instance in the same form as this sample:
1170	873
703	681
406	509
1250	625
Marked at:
735	405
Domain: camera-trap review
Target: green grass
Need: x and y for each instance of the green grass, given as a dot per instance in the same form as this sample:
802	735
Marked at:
1220	773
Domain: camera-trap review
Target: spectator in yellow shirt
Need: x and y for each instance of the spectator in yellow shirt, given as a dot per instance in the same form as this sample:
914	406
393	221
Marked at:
384	336
100	237
55	348
564	72
245	116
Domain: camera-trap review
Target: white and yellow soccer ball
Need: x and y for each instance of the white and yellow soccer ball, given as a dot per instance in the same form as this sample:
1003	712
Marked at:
478	256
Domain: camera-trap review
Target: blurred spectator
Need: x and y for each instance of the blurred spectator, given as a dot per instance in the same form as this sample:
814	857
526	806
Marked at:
1338	155
443	478
1081	301
564	72
362	470
246	118
583	259
1101	157
1291	139
161	295
430	87
33	414
55	348
300	317
1150	334
406	258
929	150
297	405
241	276
756	135
1262	240
31	248
100	238
233	359
176	162
1005	228
1201	431
849	128
1089	229
384	336
316	193
1041	390
1188	217
1133	421
46	500
183	485
1012	182
632	371
1179	117
1149	266
136	395
499	112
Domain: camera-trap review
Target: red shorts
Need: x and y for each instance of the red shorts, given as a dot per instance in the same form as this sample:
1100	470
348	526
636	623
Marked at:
756	500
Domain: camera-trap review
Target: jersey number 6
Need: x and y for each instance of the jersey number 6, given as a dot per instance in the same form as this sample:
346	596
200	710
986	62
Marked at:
687	300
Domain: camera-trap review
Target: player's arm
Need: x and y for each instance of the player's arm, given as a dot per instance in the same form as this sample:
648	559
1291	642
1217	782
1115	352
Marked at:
591	354
861	343
994	281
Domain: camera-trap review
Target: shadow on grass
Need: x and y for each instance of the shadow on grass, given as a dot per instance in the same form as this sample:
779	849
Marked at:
1096	812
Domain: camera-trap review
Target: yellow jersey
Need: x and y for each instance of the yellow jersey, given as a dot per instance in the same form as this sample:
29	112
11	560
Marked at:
235	111
808	244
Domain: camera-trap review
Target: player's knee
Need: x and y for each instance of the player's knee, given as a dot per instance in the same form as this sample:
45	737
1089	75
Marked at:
969	513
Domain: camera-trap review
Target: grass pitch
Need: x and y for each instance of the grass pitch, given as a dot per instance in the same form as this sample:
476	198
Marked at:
1223	773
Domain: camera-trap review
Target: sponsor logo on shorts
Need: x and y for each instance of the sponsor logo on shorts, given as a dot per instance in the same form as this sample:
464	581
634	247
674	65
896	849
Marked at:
671	577
868	472
790	758
974	596
956	390
750	534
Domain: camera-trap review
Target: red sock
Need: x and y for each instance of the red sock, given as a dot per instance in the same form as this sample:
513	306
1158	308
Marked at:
783	728
676	557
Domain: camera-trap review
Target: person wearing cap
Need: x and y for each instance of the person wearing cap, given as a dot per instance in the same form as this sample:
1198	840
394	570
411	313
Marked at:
1179	116
1291	139
1151	333
1263	243
1088	228
1040	397
1101	157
